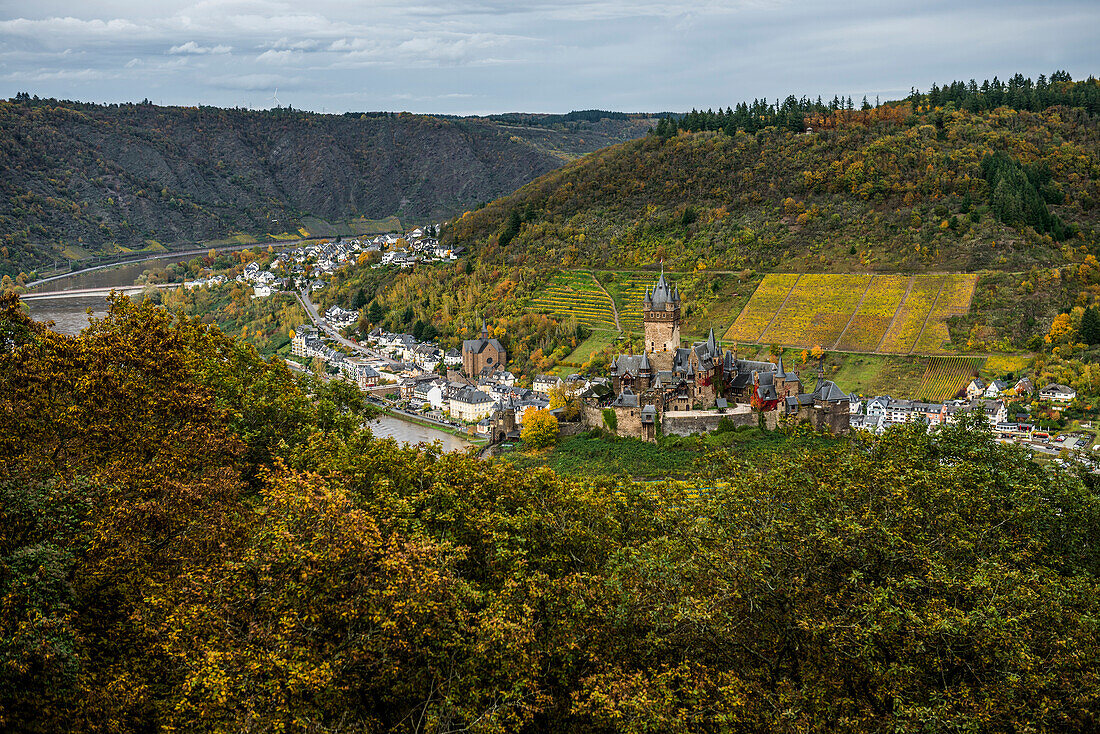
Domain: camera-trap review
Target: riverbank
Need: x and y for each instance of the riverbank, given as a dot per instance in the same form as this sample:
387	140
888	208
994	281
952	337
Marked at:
410	433
434	426
183	255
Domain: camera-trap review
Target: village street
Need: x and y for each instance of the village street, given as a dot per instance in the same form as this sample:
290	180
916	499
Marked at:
322	325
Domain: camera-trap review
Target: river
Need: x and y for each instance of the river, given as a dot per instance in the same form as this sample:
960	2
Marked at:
386	426
70	314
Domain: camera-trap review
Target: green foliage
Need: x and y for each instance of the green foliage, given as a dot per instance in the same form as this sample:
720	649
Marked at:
610	419
1090	325
511	228
196	541
1019	93
1015	197
872	181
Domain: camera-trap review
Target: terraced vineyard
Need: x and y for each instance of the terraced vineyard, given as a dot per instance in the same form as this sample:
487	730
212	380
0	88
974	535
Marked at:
913	314
816	310
631	292
954	300
871	320
944	377
577	294
893	314
769	297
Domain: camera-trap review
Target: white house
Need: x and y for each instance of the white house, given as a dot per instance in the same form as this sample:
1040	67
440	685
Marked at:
470	405
975	389
996	388
877	406
1058	393
543	384
453	358
437	395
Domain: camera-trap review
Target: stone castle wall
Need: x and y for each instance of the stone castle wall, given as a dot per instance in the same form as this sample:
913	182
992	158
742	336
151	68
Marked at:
675	423
833	418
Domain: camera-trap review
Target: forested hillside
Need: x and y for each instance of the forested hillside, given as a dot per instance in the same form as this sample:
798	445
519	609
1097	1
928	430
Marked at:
92	176
922	184
194	540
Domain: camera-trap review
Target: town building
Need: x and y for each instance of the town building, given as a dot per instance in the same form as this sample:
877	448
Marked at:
1057	393
481	353
470	405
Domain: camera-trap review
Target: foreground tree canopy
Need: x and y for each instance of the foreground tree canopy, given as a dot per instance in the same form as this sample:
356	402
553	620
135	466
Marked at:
193	540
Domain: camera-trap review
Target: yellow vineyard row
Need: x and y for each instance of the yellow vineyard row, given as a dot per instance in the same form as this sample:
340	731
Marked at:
854	312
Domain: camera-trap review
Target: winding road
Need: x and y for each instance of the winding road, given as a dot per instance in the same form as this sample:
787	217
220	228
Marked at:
321	324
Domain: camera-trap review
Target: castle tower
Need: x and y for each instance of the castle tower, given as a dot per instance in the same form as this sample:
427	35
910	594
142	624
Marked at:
661	314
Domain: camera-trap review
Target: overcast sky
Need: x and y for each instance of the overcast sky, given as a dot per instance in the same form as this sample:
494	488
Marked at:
483	56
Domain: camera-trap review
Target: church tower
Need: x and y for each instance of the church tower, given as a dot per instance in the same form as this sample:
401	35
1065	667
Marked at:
661	314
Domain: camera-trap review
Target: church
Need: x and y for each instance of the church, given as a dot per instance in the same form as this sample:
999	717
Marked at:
667	377
482	355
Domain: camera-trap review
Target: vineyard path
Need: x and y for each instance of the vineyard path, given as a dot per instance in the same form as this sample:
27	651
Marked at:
924	325
614	309
852	317
896	312
780	309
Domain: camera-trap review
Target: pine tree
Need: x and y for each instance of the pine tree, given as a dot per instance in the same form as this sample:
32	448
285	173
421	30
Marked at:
1090	325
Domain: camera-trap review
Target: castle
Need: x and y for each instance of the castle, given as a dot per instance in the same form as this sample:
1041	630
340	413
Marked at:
670	381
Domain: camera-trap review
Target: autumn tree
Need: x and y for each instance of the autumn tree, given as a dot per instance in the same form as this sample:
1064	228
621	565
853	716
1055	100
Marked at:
566	396
540	428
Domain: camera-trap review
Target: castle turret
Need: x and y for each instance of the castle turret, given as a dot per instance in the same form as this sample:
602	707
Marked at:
661	314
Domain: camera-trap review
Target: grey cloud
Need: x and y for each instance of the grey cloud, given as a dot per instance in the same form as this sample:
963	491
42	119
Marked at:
193	48
541	55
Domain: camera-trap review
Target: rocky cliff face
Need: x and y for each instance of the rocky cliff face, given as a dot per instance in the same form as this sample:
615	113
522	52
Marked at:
92	176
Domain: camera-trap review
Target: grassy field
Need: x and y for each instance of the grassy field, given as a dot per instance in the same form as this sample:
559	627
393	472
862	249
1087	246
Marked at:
577	294
672	457
237	239
584	351
1006	364
375	226
946	376
892	314
872	374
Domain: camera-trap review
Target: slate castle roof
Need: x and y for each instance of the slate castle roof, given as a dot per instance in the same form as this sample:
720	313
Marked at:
662	294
